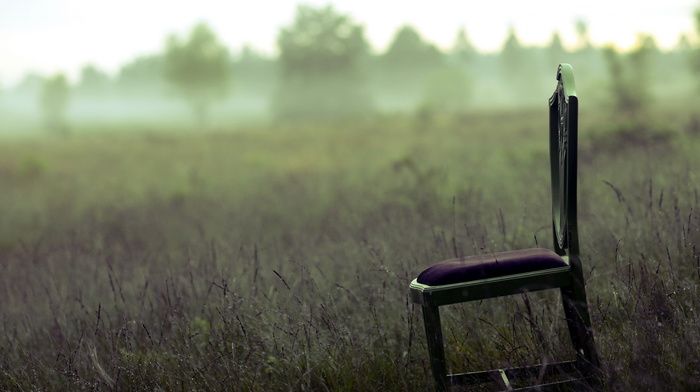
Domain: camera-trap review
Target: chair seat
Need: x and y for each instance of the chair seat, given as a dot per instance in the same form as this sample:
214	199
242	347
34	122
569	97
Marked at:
471	268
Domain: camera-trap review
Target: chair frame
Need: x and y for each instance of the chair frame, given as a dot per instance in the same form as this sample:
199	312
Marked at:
563	145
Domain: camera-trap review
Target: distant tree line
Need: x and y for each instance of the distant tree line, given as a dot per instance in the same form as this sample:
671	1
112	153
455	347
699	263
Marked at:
327	69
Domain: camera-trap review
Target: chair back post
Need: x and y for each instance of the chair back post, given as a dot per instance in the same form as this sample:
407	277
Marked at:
563	150
563	144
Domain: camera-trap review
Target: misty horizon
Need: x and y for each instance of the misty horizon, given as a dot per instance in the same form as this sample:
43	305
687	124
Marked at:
97	35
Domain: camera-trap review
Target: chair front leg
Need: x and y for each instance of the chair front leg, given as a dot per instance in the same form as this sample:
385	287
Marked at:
581	329
436	348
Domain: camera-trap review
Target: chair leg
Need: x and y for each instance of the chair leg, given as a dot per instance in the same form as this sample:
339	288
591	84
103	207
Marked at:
436	348
581	329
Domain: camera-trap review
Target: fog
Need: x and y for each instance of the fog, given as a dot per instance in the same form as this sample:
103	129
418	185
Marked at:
198	84
22	115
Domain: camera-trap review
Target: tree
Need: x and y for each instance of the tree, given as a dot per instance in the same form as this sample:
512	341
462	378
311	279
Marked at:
447	88
645	56
320	64
30	86
675	65
404	67
54	102
463	51
141	77
586	57
409	50
199	69
517	66
93	81
513	56
584	39
556	53
255	73
630	77
695	54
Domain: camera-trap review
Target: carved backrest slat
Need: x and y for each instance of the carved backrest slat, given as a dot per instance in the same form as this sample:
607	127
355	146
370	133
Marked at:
563	145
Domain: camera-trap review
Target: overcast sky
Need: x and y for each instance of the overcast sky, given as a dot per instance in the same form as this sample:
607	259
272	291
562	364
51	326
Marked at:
50	36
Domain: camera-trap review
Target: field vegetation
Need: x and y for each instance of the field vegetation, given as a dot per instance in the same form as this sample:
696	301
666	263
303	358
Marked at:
278	258
267	242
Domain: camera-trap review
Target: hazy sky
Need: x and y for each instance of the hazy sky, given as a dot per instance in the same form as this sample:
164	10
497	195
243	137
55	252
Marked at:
50	36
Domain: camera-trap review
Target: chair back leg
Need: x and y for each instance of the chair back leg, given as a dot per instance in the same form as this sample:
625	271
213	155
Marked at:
436	348
580	329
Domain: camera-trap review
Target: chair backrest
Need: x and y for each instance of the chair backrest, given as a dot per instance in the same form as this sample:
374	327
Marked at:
563	151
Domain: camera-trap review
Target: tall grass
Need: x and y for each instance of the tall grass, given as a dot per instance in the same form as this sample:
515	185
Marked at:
279	259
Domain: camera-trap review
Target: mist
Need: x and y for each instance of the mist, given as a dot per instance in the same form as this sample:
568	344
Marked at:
209	218
312	79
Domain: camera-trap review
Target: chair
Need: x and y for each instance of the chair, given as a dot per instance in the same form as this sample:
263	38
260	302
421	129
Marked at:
507	273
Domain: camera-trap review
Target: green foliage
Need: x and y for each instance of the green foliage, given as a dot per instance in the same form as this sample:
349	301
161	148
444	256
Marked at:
408	51
93	82
694	58
556	53
512	50
463	51
142	77
320	64
630	77
256	74
403	69
518	69
198	68
55	93
326	70
583	35
320	41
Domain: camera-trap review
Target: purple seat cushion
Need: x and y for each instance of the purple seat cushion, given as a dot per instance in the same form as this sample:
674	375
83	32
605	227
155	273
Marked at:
466	269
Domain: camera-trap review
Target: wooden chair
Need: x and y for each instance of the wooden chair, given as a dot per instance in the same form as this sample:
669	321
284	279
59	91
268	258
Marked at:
507	273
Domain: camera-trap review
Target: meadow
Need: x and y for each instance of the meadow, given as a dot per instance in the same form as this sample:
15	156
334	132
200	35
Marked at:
278	258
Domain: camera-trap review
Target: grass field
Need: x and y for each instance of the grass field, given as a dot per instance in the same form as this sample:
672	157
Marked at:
279	258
